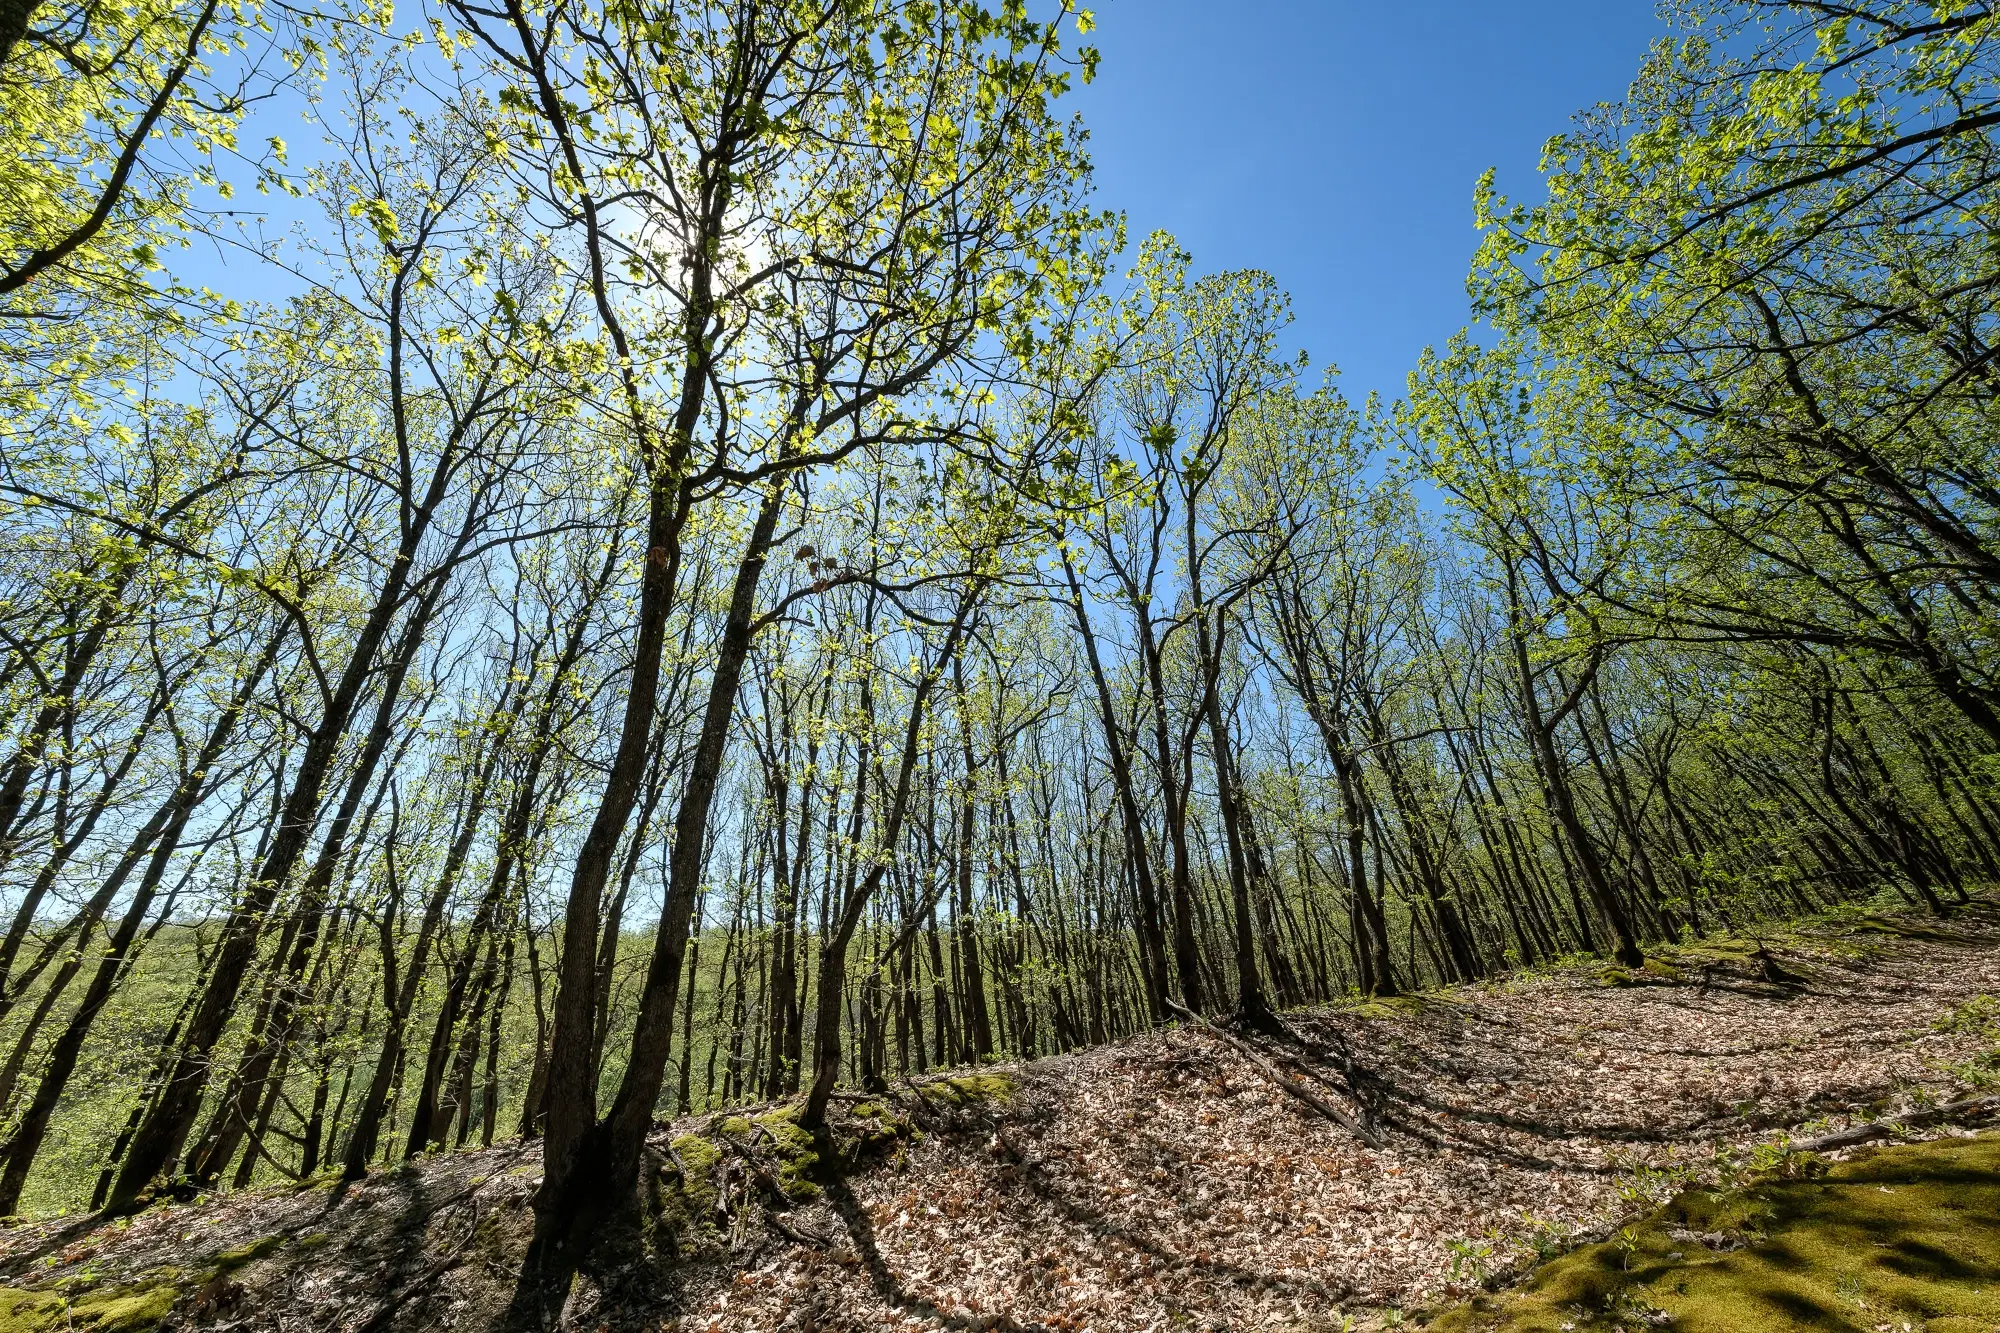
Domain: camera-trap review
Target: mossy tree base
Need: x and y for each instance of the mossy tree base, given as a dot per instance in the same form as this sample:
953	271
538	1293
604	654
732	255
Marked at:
1906	1238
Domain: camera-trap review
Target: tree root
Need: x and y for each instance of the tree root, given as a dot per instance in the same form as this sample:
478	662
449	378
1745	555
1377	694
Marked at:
1351	1123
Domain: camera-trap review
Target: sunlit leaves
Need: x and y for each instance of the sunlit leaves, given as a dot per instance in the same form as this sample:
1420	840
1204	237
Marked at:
1758	294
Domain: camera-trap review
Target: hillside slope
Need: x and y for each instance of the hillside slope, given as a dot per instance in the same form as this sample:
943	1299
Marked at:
1166	1182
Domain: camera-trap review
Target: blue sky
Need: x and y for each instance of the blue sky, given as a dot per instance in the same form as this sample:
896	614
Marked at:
1335	143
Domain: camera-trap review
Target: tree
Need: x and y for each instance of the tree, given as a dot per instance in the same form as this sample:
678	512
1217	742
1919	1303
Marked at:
942	203
1558	547
1765	277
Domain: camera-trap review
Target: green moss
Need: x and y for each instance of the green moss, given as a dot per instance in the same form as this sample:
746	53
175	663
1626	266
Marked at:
694	1198
126	1310
231	1260
688	1195
29	1311
798	1156
876	1127
132	1309
967	1089
1910	1233
783	1124
696	1153
1387	1007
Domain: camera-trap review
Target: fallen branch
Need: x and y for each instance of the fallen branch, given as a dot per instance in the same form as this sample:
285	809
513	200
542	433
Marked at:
798	1235
1285	1081
1971	1108
765	1179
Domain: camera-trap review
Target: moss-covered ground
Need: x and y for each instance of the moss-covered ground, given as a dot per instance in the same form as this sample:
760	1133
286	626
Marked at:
134	1309
1906	1238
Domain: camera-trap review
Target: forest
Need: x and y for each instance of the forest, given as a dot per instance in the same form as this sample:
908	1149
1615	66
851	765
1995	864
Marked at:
731	574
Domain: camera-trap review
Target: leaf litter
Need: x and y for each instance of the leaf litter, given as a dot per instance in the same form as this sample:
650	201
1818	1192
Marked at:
1162	1183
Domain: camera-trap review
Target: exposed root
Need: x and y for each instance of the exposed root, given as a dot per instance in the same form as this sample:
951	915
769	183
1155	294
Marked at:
1344	1119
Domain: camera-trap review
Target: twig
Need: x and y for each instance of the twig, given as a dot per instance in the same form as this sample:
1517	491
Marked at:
797	1235
1282	1079
416	1286
775	1198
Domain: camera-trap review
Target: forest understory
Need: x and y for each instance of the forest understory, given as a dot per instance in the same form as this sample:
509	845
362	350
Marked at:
1164	1182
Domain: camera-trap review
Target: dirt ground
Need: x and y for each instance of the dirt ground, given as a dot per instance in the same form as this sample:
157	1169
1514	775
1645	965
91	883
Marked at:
1163	1183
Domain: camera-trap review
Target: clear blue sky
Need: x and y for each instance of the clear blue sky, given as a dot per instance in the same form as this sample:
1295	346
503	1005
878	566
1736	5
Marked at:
1335	143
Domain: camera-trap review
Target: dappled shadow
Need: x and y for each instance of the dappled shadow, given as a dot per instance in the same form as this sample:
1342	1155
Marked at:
1907	1236
1806	1310
1029	1186
20	1265
1408	1085
1075	1210
1915	1258
861	1232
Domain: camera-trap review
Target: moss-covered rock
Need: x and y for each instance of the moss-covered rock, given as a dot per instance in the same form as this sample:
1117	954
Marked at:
970	1089
696	1157
796	1153
874	1129
29	1311
124	1309
1388	1007
231	1260
688	1194
1910	1233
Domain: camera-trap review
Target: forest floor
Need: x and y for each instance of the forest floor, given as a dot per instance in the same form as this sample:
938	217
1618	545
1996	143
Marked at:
1163	1183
